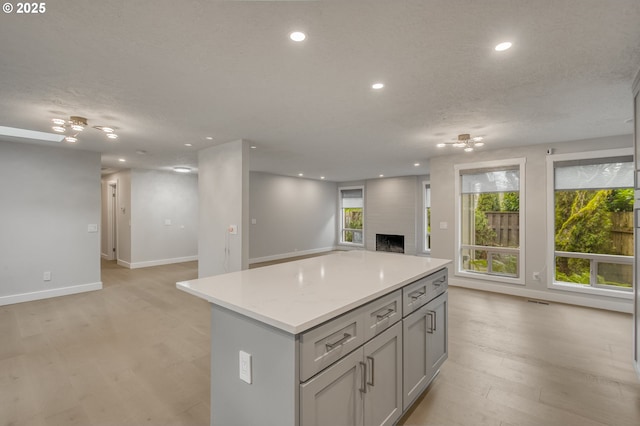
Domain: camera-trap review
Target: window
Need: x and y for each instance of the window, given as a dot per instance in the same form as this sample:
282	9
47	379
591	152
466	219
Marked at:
593	221
490	210
352	215
427	216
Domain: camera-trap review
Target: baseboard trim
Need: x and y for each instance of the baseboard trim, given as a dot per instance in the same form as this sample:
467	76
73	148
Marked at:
620	305
121	262
47	294
291	254
149	263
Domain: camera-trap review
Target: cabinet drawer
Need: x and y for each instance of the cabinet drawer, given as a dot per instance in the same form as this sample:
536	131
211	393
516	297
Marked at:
329	342
382	314
422	291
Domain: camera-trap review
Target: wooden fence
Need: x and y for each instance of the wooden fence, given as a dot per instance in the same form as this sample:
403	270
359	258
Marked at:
507	228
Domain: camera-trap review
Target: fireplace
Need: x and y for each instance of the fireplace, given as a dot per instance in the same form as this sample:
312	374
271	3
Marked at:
392	243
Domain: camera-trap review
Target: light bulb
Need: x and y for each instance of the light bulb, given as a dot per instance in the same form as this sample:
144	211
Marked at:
107	129
468	149
58	121
58	129
297	36
71	139
479	143
440	145
77	127
112	136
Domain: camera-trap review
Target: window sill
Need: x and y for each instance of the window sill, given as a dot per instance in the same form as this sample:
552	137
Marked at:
577	288
493	278
351	244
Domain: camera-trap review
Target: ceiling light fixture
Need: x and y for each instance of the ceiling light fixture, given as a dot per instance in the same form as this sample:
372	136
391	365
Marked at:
122	160
209	138
465	141
182	169
188	144
377	86
503	46
76	124
416	164
297	36
300	174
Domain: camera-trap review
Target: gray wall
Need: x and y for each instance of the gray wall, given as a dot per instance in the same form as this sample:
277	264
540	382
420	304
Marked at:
391	207
223	188
443	210
293	216
157	197
49	197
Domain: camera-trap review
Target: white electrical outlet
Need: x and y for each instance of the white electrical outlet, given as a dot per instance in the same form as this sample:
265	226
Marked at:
245	366
46	276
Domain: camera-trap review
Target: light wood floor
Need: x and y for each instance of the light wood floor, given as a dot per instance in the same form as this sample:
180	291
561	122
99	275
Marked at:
137	352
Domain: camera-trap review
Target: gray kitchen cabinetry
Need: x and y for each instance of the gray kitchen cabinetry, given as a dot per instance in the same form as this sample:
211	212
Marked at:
425	346
363	388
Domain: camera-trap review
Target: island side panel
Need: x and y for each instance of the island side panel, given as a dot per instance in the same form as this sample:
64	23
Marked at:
272	397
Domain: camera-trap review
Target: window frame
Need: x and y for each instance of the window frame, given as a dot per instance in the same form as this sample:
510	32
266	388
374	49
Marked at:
341	214
551	249
426	186
495	164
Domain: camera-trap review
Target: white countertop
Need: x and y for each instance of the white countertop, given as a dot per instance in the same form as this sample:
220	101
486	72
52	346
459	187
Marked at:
296	296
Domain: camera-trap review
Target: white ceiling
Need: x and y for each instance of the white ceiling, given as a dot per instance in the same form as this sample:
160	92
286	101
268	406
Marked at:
166	73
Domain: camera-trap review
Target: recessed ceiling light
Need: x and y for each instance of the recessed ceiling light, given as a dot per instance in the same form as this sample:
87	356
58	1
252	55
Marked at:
381	175
188	144
122	160
440	145
322	177
503	46
209	138
416	164
182	169
297	36
377	86
253	147
300	174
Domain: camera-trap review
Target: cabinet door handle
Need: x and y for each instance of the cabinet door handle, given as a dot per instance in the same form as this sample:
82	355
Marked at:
387	314
330	346
363	367
416	295
435	320
372	382
432	321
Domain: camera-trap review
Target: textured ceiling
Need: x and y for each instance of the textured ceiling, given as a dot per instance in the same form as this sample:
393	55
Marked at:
166	73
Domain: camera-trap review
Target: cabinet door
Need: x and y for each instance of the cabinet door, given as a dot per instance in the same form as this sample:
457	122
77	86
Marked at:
414	357
437	334
335	396
383	397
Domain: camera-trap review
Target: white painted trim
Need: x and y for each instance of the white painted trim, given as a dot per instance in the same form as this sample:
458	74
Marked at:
292	254
146	264
47	294
123	263
612	305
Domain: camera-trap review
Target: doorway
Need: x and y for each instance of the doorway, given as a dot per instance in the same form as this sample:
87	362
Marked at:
112	225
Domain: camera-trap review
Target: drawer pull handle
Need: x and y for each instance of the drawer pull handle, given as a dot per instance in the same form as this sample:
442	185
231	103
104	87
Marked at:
439	282
416	295
330	346
385	315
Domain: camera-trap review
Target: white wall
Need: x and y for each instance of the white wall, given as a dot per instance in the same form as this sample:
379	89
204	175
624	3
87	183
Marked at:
293	216
391	207
443	210
223	188
49	197
164	217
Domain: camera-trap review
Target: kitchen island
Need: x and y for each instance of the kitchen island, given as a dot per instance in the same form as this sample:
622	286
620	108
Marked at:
347	338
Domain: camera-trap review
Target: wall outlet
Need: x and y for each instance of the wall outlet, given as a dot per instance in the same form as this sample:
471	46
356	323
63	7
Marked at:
46	276
92	227
245	367
167	222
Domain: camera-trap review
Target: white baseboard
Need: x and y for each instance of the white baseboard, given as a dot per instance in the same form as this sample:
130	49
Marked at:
291	254
47	294
620	305
146	264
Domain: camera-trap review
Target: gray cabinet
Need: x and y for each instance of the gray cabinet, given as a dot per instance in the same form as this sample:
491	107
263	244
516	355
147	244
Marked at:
425	346
363	388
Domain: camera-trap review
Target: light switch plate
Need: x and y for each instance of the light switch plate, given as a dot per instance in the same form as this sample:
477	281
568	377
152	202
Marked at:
92	227
444	225
245	367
